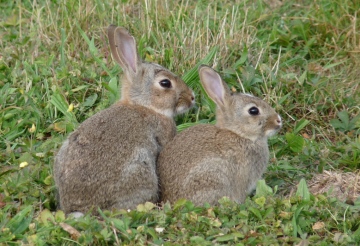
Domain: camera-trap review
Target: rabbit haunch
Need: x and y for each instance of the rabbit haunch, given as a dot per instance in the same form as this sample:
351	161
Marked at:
110	160
206	162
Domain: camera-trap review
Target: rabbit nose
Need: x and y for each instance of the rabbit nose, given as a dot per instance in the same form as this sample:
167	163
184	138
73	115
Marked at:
278	120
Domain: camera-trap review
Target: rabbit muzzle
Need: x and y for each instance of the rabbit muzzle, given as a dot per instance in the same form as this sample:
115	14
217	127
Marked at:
273	125
185	102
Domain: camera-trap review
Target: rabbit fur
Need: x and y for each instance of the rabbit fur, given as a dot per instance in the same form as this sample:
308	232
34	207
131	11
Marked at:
207	162
110	160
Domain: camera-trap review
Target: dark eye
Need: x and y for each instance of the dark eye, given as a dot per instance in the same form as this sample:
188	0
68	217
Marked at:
254	111
165	83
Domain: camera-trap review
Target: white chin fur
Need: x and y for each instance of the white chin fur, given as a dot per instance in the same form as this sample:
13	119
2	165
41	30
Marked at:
270	133
181	110
167	112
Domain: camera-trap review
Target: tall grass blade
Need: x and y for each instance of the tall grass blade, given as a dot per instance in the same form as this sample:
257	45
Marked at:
192	76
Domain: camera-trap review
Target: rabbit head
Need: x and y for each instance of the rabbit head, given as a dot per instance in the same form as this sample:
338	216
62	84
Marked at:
147	84
244	114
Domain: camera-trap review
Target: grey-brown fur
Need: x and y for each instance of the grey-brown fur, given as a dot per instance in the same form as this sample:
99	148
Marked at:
110	160
206	162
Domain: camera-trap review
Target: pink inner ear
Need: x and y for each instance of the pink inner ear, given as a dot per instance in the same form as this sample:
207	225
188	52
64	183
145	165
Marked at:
213	86
218	91
126	49
129	51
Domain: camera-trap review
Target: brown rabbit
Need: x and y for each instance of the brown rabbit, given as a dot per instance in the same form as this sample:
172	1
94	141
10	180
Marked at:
110	160
205	163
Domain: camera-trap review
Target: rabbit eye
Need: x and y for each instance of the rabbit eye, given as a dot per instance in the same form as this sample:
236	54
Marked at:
165	83
254	111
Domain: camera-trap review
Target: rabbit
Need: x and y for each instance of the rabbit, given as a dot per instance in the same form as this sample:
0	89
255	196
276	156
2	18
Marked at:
109	161
207	162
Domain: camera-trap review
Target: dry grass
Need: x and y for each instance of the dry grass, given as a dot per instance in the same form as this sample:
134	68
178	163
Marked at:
343	186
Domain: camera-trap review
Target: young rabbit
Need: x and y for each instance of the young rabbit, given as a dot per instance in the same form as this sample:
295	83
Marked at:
206	162
110	160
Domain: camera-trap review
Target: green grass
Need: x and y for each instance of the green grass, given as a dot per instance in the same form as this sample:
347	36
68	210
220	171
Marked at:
302	57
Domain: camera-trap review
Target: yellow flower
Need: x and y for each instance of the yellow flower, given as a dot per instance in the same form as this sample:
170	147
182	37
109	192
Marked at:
23	164
32	129
159	229
71	107
41	155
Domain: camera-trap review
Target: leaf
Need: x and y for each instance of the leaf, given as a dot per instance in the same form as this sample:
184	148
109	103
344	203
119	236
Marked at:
7	169
48	180
192	76
186	125
79	88
357	123
332	65
303	190
303	242
344	117
294	225
60	126
24	225
153	232
243	58
230	237
285	215
93	50
115	89
215	222
12	20
340	237
318	226
345	124
262	189
302	78
140	208
260	201
300	125
295	142
75	234
89	102
354	122
20	222
26	157
59	216
60	103
356	235
197	239
148	206
179	203
337	124
119	224
283	99
256	212
46	216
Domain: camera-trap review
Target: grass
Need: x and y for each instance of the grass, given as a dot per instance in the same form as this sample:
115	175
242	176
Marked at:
300	56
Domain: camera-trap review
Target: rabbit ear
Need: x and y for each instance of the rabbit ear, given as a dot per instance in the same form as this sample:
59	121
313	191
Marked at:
213	85
123	47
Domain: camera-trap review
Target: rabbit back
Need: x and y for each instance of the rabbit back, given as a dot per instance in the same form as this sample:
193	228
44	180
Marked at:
109	161
204	163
